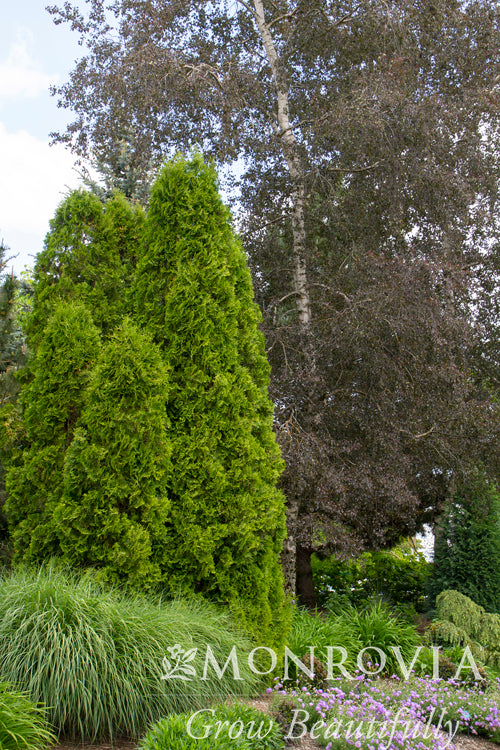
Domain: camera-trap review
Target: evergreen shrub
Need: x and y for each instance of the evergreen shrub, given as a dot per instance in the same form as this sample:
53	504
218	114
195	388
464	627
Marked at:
51	404
89	256
467	546
462	622
114	504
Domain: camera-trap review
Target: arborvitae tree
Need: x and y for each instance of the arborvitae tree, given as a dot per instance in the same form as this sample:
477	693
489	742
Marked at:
51	405
467	548
226	524
89	255
114	507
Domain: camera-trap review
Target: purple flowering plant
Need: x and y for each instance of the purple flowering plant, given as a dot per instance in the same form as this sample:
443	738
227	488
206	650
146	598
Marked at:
391	714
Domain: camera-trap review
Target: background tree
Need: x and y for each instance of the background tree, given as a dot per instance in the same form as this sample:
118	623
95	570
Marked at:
7	287
7	290
467	546
114	506
194	292
121	170
13	294
367	136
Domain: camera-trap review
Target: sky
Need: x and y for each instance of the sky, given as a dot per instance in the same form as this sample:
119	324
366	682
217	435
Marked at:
34	176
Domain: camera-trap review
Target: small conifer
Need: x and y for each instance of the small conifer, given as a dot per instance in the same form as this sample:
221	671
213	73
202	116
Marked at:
114	506
51	405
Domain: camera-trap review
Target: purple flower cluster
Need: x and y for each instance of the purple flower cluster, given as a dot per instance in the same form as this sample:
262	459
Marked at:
418	714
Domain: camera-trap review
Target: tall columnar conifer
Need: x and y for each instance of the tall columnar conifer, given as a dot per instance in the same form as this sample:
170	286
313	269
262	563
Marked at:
51	405
226	525
114	507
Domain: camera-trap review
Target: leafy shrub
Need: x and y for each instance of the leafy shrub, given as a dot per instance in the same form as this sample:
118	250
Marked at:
22	724
283	712
241	727
94	655
399	575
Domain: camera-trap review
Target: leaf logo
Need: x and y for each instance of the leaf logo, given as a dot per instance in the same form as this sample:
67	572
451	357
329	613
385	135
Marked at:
178	666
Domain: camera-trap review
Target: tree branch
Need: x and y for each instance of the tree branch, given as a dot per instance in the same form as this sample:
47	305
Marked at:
342	20
274	21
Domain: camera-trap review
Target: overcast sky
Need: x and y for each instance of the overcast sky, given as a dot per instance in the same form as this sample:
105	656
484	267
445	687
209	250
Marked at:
34	177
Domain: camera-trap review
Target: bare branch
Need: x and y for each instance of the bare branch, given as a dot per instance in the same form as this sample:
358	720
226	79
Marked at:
340	21
274	21
330	289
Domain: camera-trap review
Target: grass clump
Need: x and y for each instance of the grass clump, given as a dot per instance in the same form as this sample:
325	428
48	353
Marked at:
237	726
23	725
96	656
373	627
320	632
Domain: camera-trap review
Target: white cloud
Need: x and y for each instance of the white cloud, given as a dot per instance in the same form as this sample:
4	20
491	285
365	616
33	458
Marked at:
34	178
20	76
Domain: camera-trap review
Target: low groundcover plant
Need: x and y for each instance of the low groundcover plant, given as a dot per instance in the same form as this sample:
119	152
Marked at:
388	714
235	726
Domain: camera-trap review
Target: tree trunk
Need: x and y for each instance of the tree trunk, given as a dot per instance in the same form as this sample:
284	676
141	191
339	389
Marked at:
284	132
305	584
289	553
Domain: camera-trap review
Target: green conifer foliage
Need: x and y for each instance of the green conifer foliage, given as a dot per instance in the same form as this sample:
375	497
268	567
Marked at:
51	404
114	507
89	255
467	548
226	525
